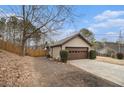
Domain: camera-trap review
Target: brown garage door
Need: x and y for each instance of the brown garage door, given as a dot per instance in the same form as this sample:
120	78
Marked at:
77	52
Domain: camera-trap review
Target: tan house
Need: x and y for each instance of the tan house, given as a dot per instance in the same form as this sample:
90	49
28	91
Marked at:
76	45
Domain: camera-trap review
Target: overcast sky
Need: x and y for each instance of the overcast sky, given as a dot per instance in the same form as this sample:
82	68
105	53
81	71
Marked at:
103	21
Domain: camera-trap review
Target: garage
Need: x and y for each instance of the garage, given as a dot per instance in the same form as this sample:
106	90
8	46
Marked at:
77	46
77	53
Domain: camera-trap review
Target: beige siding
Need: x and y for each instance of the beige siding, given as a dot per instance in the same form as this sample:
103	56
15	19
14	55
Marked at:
56	51
50	51
76	42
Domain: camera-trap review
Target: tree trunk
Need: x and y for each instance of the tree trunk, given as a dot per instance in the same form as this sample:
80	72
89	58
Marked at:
24	33
23	48
14	37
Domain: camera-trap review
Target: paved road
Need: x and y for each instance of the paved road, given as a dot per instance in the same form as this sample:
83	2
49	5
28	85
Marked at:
111	72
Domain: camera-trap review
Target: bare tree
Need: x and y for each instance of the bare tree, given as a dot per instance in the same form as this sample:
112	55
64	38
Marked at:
104	40
2	27
33	20
42	19
12	26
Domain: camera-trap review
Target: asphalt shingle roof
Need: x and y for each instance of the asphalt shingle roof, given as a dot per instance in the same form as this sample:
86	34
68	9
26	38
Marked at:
61	42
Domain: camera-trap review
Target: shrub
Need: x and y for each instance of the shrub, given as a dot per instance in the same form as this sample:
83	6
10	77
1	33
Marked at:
92	54
64	55
48	56
113	56
119	55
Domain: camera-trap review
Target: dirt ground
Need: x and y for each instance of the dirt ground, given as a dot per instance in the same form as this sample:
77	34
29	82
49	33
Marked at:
16	71
110	60
54	74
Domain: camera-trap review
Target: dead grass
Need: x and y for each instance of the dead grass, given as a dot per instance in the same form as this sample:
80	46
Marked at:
15	48
110	60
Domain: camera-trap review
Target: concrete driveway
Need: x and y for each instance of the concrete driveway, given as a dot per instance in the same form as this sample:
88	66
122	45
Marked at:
111	72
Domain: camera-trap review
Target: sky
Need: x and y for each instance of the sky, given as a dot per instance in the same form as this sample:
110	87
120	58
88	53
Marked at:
103	21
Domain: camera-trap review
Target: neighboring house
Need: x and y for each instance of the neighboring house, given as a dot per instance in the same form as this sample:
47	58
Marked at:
110	48
106	51
77	46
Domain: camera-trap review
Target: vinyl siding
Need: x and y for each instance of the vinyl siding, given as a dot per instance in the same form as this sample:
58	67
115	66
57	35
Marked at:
55	52
76	42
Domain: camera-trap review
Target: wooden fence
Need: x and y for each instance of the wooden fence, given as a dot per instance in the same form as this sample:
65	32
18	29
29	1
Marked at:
36	52
14	48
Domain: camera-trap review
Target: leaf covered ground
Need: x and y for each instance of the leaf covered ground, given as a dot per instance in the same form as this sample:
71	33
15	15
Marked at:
16	70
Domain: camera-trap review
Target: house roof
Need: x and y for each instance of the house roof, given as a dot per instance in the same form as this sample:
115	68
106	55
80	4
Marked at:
65	40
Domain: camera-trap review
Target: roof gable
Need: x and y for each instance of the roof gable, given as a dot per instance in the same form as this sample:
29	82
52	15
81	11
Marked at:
63	41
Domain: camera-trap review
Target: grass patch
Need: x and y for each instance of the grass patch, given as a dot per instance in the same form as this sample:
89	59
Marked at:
110	60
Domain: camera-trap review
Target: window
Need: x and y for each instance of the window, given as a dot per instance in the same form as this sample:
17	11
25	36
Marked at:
72	51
